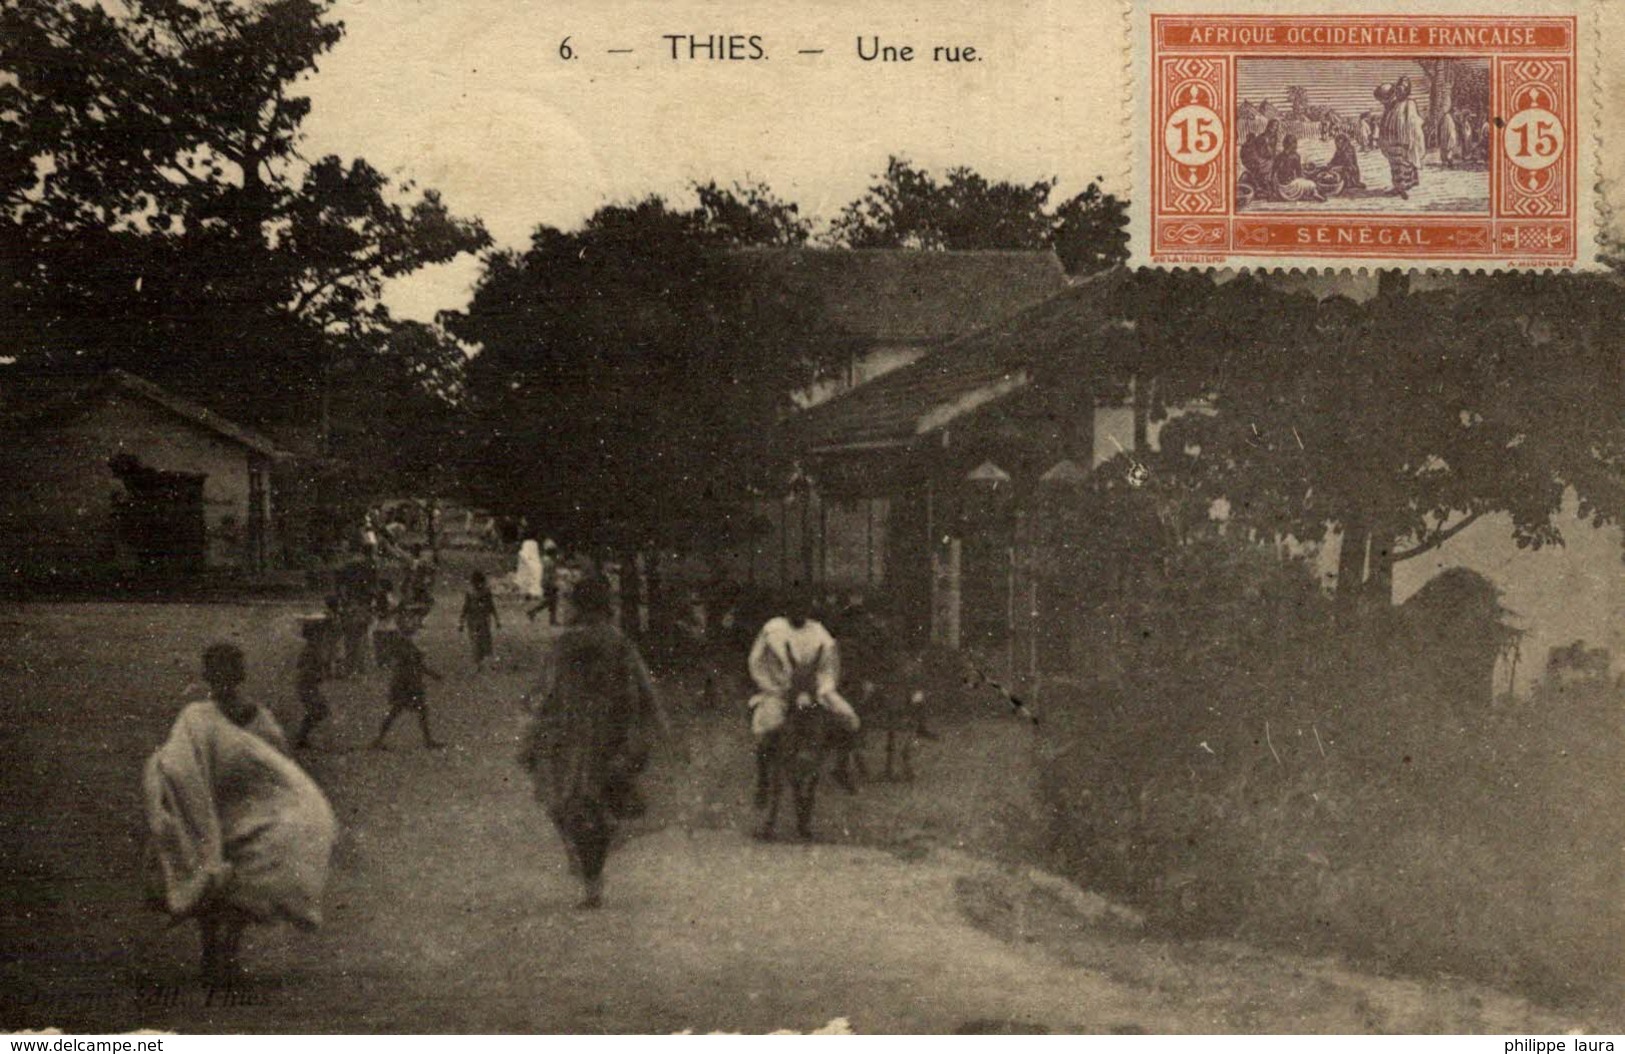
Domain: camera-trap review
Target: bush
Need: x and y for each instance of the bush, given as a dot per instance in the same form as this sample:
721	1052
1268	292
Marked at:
1247	763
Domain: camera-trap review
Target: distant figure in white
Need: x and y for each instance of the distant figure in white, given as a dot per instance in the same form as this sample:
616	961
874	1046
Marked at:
1449	139
528	575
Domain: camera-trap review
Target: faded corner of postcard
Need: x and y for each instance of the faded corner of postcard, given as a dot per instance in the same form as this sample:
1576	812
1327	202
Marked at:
1383	134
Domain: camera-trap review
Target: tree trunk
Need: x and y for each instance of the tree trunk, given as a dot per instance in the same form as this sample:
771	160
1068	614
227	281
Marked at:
1442	83
324	409
1379	585
1142	414
1351	559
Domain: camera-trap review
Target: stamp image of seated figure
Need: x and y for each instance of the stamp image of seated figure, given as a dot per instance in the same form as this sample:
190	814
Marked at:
1271	135
1341	158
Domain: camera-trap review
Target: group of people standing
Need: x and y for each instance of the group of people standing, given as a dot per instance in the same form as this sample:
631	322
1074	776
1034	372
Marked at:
546	578
1275	171
1463	137
365	604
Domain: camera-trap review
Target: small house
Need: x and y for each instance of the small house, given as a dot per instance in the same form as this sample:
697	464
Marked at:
114	473
921	485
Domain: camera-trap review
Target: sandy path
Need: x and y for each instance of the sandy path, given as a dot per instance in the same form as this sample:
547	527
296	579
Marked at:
450	910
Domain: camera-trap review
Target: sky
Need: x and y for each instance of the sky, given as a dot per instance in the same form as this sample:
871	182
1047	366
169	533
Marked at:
1345	86
473	99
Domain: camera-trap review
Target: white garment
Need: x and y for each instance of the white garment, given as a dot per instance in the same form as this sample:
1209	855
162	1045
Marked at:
235	820
528	575
777	646
1300	189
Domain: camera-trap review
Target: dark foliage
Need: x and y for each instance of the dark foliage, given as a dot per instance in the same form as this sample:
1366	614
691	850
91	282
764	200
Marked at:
1249	761
909	208
1397	422
158	216
628	373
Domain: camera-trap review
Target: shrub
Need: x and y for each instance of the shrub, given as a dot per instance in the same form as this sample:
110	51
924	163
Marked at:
1247	762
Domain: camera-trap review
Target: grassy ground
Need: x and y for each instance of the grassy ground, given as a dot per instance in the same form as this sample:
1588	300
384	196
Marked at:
449	908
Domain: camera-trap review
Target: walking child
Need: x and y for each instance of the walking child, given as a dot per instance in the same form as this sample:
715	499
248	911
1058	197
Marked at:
309	671
408	690
479	616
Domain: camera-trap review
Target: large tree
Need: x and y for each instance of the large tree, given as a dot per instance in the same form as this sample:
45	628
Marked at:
750	214
1397	423
158	214
1090	231
909	208
627	373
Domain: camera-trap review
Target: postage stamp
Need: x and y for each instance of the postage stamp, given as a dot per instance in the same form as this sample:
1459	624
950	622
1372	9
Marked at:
1291	134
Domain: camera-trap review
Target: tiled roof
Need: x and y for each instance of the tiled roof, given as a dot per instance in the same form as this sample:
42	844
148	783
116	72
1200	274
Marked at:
910	295
45	398
960	377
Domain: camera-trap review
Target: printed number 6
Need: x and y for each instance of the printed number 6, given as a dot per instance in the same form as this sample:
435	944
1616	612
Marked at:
564	49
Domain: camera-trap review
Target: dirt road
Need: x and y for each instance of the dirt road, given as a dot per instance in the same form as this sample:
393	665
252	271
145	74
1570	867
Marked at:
450	909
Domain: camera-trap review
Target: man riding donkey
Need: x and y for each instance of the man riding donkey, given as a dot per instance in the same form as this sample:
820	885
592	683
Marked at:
789	644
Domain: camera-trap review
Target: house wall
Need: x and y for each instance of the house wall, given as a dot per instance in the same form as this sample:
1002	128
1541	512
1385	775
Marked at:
1114	431
1556	596
883	545
59	508
844	541
853	545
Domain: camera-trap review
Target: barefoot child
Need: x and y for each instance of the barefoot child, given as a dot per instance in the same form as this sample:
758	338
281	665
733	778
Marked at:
407	690
479	615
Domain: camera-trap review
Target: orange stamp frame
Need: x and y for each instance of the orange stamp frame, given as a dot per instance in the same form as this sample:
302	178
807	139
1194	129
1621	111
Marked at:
1396	138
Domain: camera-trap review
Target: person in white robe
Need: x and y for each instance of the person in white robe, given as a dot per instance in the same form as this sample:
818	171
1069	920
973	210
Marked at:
528	575
784	643
1401	136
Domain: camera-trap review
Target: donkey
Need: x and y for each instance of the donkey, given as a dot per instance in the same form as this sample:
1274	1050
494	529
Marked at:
798	752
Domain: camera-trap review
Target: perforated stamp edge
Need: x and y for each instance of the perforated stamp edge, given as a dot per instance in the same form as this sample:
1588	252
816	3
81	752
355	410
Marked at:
1145	135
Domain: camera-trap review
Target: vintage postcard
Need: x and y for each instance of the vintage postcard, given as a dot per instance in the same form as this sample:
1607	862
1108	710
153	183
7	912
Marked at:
615	516
1391	136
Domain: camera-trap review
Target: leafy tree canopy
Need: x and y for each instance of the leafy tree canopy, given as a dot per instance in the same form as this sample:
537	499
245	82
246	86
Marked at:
1398	422
627	371
157	212
908	208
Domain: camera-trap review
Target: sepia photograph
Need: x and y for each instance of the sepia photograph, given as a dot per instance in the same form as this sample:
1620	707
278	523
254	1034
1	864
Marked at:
643	519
